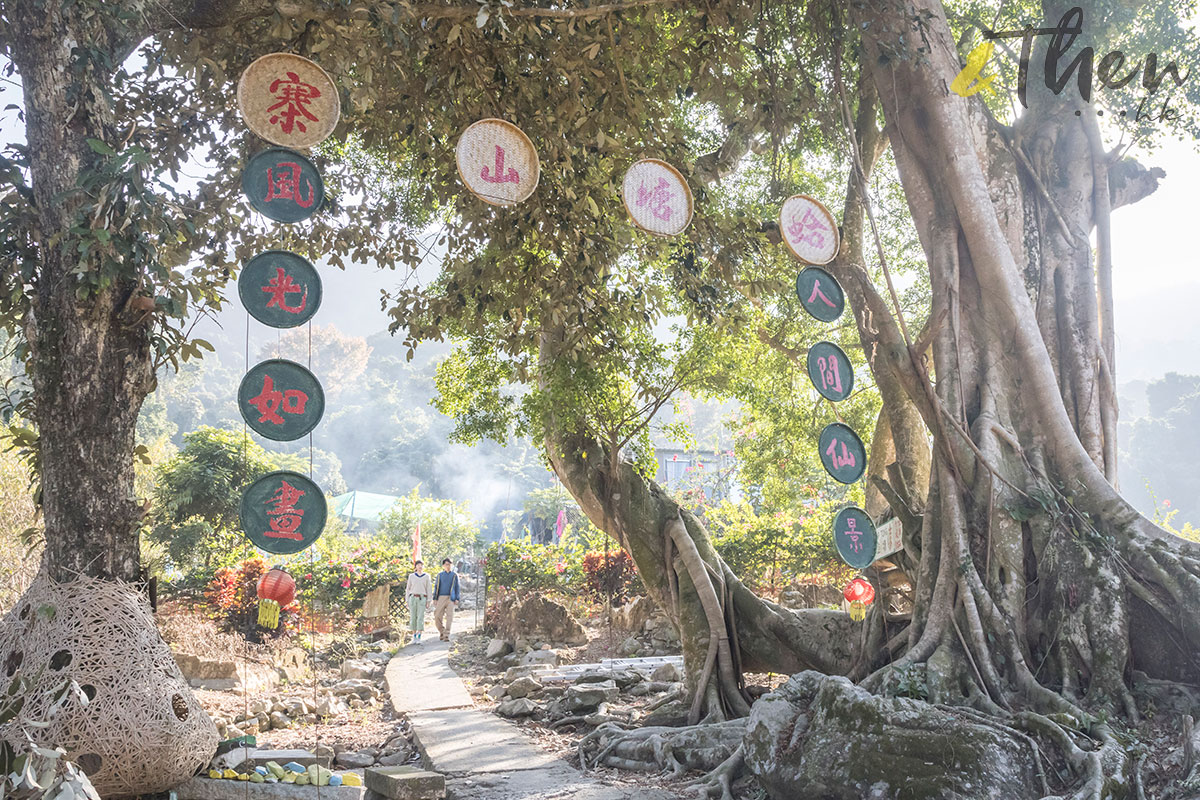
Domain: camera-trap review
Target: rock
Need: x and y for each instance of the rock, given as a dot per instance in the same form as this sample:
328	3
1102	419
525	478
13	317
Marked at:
294	708
522	687
624	678
587	696
538	618
510	660
378	658
405	783
354	668
259	706
512	673
332	707
354	760
357	703
280	721
640	690
633	615
547	657
497	648
629	647
395	759
251	728
521	707
666	672
497	691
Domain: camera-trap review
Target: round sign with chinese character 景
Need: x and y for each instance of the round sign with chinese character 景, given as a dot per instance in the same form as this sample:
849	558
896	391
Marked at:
820	294
854	537
842	453
497	162
280	289
281	400
657	197
288	100
283	185
830	371
808	229
283	512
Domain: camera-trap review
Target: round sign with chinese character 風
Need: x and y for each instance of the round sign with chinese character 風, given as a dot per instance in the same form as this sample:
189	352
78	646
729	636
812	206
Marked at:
280	289
808	229
283	185
657	197
281	400
830	371
497	162
288	100
283	512
820	294
842	453
854	537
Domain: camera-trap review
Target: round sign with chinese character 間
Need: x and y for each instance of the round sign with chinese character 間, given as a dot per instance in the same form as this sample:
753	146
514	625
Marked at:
497	162
283	185
820	294
281	400
842	453
808	229
830	371
657	197
280	289
288	100
854	537
283	512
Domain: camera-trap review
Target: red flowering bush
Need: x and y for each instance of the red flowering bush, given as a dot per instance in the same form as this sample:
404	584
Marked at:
612	573
232	597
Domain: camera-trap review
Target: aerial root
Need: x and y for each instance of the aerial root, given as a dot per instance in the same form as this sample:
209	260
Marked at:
719	782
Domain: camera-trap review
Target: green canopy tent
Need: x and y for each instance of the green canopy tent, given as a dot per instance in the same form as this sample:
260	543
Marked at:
366	507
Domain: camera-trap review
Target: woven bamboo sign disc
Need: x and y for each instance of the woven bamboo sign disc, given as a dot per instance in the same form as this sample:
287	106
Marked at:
288	100
497	162
657	197
808	229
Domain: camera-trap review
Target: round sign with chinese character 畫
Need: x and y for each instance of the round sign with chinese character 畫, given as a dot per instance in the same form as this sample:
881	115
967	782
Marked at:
280	289
842	453
288	100
830	371
497	162
820	294
657	197
281	400
808	229
283	185
283	512
854	537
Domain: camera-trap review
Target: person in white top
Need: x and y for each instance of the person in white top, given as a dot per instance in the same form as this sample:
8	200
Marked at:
417	591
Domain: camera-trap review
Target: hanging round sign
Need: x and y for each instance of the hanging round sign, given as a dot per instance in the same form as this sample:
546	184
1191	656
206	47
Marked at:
283	512
830	371
283	185
842	453
854	537
820	294
808	229
657	197
281	400
288	100
280	289
497	162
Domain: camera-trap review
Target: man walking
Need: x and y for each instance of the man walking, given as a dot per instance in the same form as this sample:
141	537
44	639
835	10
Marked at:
445	598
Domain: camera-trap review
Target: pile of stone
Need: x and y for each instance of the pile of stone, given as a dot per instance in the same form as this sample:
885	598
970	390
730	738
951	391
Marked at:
650	631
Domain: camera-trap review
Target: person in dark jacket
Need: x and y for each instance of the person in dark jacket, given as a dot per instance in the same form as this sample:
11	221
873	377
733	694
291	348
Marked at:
445	598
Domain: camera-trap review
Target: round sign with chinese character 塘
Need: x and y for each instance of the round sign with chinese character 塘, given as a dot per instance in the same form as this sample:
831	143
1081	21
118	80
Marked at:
820	294
288	100
283	185
808	229
830	371
280	289
842	453
854	537
497	162
657	197
281	400
283	512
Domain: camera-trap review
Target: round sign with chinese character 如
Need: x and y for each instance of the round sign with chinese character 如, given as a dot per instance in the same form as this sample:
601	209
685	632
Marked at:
842	453
281	400
820	294
830	371
288	100
497	162
280	289
657	197
808	229
283	512
283	185
854	537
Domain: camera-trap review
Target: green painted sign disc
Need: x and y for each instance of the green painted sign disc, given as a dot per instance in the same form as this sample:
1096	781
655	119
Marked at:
281	400
280	289
283	512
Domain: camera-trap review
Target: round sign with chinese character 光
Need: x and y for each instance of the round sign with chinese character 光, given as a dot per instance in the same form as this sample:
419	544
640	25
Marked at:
808	229
820	294
497	162
280	289
283	512
854	537
842	453
283	185
830	371
657	197
288	100
281	400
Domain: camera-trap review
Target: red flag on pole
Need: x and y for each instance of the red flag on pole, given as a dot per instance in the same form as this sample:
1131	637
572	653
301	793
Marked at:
559	524
417	543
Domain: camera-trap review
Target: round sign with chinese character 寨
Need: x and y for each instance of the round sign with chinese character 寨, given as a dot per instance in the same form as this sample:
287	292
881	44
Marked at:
497	162
280	289
657	197
281	400
288	100
820	294
808	229
830	371
854	537
283	512
283	185
842	453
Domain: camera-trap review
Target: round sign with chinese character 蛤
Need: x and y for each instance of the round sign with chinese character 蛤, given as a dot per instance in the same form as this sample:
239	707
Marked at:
288	100
280	289
657	197
820	294
283	512
283	185
808	229
854	537
830	371
281	400
497	162
842	453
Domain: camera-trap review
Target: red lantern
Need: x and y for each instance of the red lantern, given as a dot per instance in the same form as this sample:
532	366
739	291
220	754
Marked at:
276	591
860	590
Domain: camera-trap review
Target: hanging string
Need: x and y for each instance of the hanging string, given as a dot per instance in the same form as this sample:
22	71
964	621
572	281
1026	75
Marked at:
312	638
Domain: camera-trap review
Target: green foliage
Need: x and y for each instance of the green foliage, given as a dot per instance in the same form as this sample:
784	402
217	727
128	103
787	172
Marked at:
524	567
447	528
1158	460
341	568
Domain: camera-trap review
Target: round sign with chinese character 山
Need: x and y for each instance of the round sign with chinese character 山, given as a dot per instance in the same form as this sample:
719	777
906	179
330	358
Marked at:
842	453
657	197
283	512
497	162
808	229
280	289
288	100
281	400
820	294
830	371
854	537
283	185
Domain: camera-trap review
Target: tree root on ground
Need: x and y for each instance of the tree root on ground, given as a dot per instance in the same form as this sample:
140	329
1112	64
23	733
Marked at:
713	748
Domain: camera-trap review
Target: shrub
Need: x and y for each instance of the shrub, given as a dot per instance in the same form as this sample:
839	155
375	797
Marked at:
525	567
608	575
232	595
343	568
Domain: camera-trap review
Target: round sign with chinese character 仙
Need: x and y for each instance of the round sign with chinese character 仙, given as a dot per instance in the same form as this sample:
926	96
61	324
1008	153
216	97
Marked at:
283	512
288	100
280	289
283	185
497	162
281	400
808	229
854	537
830	371
820	294
842	453
657	197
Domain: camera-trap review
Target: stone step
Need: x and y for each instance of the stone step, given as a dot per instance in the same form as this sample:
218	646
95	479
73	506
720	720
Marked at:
405	783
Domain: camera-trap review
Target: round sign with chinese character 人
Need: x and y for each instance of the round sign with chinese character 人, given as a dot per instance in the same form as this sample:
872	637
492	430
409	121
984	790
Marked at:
820	294
497	162
288	100
283	185
842	452
854	537
280	289
283	512
657	197
281	400
808	229
830	371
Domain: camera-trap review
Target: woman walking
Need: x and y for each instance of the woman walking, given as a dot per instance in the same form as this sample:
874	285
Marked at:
417	591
